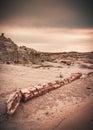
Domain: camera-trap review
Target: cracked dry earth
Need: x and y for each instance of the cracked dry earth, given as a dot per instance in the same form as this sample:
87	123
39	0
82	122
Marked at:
67	108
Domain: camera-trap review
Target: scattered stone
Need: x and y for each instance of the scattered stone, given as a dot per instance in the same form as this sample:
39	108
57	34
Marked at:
66	62
88	88
90	74
60	76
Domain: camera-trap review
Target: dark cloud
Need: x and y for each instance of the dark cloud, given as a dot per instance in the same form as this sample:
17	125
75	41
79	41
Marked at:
47	13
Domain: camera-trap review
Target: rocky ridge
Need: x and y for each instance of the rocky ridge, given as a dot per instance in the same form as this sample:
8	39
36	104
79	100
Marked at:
11	53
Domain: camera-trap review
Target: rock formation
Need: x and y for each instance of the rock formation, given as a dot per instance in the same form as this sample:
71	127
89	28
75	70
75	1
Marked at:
11	53
8	50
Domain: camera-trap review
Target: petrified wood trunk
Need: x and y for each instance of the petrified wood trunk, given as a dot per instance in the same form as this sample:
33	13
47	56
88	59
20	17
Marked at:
13	102
35	91
38	90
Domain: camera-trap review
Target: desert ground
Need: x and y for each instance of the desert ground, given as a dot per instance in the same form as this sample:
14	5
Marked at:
69	107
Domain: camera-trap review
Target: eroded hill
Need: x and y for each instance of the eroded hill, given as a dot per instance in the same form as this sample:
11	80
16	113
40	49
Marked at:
11	53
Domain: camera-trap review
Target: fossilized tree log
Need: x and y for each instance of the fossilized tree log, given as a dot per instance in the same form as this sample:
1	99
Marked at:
35	91
38	90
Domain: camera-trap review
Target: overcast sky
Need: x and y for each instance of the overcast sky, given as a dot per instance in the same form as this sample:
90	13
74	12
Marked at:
49	25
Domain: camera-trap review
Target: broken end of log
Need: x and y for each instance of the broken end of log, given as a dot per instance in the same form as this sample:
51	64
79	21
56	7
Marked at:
13	102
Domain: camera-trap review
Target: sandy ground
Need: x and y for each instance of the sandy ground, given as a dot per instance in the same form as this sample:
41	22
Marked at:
67	108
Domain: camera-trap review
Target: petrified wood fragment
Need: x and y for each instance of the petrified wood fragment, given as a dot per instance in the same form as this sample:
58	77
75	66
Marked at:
13	102
26	94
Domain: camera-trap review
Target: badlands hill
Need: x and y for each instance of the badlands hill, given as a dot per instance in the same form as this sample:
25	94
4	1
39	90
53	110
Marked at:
11	53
